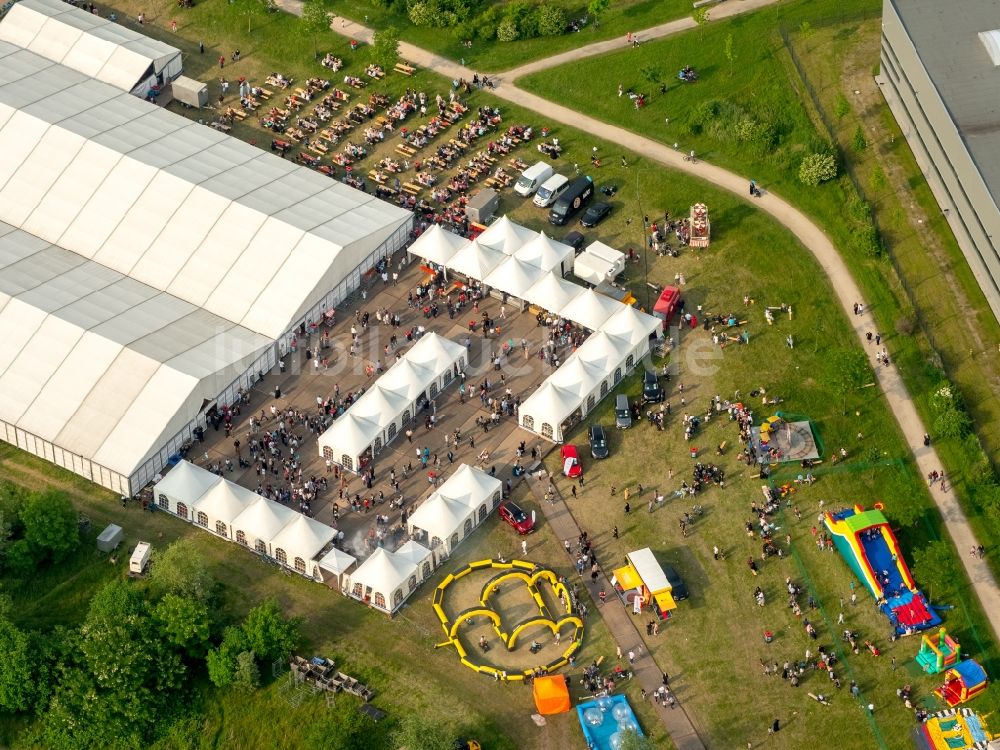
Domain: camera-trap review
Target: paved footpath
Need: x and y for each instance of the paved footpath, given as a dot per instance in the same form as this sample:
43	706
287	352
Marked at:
621	624
809	234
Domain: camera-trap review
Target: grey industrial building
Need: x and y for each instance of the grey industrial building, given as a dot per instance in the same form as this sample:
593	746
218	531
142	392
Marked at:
940	75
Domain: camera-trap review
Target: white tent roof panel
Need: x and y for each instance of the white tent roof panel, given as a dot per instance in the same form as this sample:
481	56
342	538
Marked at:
187	482
18	139
24	190
263	519
384	572
335	561
303	537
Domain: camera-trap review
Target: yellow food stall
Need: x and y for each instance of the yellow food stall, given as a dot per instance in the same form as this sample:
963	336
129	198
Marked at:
641	583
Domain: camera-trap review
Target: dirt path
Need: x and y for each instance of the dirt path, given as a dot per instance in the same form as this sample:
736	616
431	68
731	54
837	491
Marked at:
807	232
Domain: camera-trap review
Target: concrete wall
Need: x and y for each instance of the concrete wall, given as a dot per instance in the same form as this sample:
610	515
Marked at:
941	154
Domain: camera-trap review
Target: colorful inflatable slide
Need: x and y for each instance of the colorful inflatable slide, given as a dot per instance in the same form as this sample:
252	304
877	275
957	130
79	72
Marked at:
869	547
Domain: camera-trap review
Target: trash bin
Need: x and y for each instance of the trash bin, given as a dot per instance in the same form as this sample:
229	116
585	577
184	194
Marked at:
277	392
768	636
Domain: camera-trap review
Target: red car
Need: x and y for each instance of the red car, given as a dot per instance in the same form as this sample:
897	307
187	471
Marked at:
571	461
516	518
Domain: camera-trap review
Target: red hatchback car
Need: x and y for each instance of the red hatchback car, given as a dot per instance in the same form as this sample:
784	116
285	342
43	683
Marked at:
516	518
571	461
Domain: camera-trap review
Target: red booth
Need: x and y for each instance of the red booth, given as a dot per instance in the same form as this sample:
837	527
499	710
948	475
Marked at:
666	305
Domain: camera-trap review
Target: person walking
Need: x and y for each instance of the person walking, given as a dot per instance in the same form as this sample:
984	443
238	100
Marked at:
631	657
524	546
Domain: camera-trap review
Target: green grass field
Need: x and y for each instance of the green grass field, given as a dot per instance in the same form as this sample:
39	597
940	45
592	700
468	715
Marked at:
713	644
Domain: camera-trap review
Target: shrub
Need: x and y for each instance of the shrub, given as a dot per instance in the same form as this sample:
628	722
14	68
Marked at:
858	141
551	20
906	325
817	168
952	423
507	30
842	107
866	240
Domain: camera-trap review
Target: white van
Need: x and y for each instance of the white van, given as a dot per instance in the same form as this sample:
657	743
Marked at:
550	190
532	177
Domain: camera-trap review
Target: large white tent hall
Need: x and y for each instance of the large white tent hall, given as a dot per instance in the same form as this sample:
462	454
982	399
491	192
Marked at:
239	515
393	401
150	266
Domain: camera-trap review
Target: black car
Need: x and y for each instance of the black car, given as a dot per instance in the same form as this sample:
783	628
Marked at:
678	589
652	391
598	441
575	240
595	214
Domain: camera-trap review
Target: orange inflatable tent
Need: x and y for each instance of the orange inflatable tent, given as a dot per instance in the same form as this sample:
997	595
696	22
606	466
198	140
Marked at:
551	694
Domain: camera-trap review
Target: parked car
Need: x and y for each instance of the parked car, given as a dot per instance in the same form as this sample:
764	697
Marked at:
575	240
678	589
623	412
652	391
595	214
598	441
571	461
516	518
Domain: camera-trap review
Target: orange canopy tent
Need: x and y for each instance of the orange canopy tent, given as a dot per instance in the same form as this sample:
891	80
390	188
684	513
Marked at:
551	694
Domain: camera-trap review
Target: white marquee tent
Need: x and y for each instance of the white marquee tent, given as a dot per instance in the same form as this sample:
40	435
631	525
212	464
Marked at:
299	542
384	580
420	557
547	254
475	261
590	309
545	410
221	505
182	486
455	509
339	564
437	245
261	522
553	293
380	414
506	236
513	276
90	44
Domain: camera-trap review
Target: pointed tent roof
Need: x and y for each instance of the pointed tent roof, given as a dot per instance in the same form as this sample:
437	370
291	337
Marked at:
440	516
437	245
579	376
550	403
264	519
604	351
514	277
544	252
470	485
225	501
475	260
413	552
378	402
337	561
435	352
553	292
631	324
384	571
304	537
506	236
406	377
187	481
590	309
351	434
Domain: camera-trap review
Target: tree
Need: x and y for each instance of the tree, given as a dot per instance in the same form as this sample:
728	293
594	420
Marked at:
17	678
181	569
184	623
222	661
385	47
817	168
551	20
935	567
315	21
247	675
50	525
847	371
729	52
700	16
596	9
652	74
507	30
268	633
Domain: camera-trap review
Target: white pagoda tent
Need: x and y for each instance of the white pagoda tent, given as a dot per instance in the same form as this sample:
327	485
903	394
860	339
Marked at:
256	526
553	293
182	486
299	542
221	505
590	309
384	580
506	236
437	245
338	564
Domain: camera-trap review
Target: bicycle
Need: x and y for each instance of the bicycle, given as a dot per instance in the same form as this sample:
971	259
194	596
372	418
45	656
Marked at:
691	158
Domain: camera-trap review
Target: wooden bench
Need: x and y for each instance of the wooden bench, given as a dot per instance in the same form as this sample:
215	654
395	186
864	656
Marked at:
412	189
402	148
406	70
265	93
